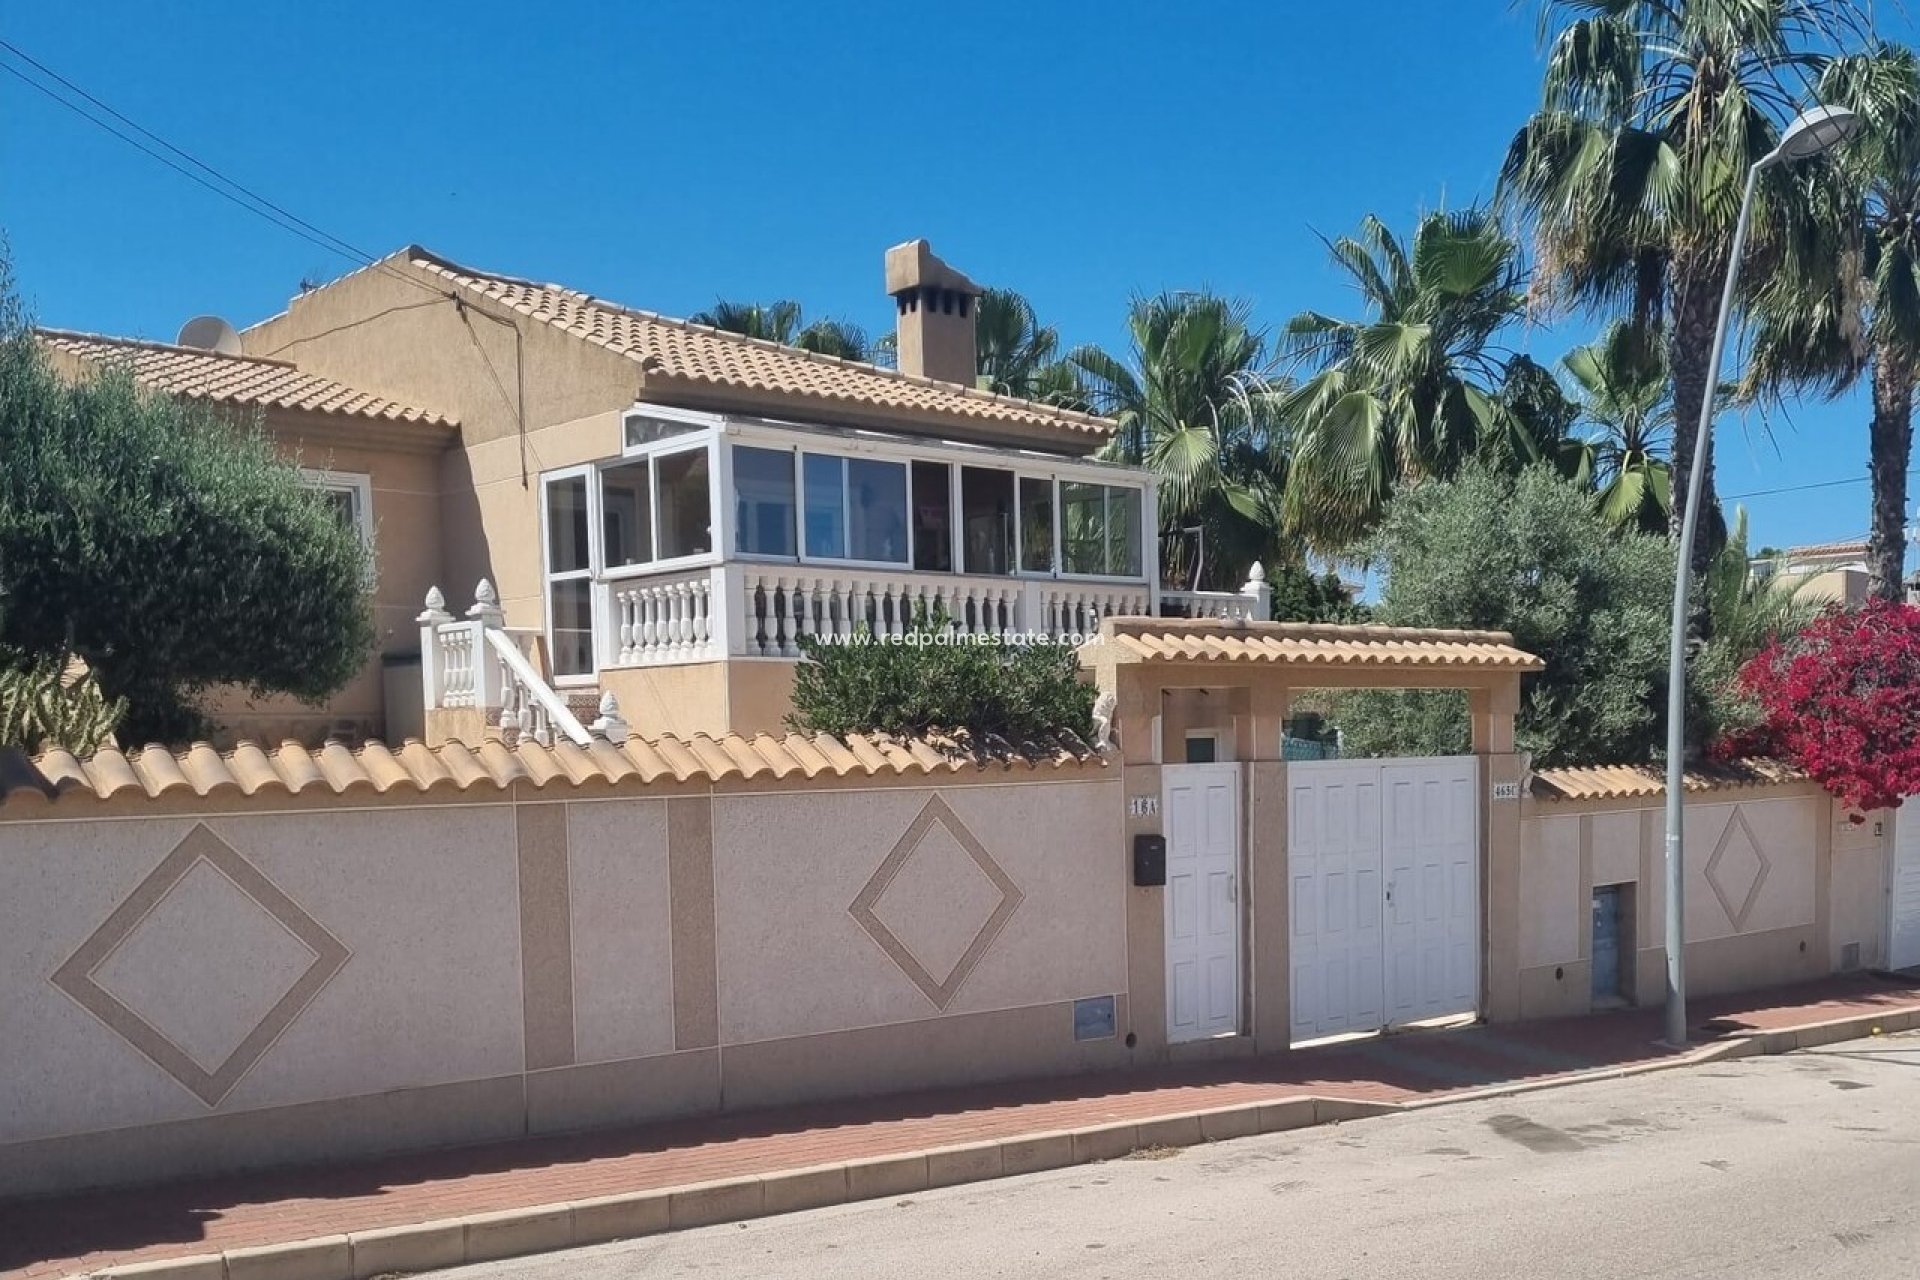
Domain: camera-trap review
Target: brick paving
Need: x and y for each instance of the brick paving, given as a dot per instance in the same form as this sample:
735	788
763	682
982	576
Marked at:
74	1234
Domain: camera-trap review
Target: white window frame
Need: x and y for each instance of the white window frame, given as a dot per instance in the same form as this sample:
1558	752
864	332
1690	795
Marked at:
720	531
1106	511
357	483
548	575
767	434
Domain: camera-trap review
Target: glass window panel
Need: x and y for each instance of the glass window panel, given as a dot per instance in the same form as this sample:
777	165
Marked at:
826	501
567	545
763	501
686	512
626	515
933	517
877	510
641	429
986	519
346	506
1083	527
572	627
1123	532
1036	524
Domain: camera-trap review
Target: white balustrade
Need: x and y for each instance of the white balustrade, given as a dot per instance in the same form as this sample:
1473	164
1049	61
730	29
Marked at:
480	663
1252	603
780	606
661	621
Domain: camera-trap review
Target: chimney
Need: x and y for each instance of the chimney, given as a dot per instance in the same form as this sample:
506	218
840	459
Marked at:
935	304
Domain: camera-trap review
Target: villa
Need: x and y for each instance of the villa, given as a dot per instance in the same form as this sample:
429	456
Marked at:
641	506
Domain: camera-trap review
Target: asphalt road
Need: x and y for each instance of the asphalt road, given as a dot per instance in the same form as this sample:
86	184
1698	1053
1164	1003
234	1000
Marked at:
1796	1166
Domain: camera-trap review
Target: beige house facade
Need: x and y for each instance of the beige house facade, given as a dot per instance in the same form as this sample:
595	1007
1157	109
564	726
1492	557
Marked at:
1823	573
640	506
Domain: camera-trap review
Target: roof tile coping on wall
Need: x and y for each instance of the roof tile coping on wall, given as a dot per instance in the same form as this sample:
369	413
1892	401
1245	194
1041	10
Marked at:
1312	644
249	381
251	770
1632	782
697	353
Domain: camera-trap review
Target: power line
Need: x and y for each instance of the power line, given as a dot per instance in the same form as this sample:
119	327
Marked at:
341	246
1794	488
232	191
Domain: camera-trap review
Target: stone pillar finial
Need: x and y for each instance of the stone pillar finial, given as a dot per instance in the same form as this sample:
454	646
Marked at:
610	724
436	610
486	605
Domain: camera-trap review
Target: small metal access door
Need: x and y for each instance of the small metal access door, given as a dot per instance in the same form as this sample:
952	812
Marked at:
1903	890
1383	860
1202	899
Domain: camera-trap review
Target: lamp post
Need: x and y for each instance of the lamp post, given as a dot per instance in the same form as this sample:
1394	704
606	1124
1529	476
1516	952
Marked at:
1813	132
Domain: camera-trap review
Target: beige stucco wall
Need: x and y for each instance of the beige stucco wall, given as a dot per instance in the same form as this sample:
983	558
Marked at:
1775	890
200	985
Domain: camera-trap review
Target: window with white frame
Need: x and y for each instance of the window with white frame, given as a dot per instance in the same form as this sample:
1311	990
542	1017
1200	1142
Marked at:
1099	529
937	516
350	493
856	508
569	566
763	501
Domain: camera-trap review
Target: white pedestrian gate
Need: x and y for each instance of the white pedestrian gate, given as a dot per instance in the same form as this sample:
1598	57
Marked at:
1202	827
1903	896
1383	859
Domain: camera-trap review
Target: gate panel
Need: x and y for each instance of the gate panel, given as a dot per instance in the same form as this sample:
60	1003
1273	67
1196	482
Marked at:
1383	859
1432	888
1335	948
1202	806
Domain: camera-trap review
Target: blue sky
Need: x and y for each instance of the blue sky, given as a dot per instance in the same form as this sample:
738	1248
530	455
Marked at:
664	154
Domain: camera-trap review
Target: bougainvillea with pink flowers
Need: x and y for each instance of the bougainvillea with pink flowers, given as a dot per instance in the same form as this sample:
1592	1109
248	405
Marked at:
1841	699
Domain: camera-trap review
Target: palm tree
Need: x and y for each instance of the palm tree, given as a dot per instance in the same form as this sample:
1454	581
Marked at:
1411	389
1854	308
781	322
1621	392
1631	171
1197	401
1019	356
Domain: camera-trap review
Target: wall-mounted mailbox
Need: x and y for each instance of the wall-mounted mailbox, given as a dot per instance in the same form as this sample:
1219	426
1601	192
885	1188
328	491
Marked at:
1149	860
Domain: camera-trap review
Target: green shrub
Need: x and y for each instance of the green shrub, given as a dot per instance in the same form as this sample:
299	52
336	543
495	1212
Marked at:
171	548
1300	596
931	682
1530	555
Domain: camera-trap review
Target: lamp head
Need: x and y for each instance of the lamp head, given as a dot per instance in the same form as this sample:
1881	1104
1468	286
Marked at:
1816	131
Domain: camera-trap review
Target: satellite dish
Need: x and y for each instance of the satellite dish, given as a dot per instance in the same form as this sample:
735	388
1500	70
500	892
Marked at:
209	333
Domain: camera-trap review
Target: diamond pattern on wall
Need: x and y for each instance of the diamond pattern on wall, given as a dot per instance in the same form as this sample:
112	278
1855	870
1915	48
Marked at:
284	947
1737	870
937	855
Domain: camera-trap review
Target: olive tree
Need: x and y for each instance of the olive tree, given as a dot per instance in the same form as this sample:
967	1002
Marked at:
169	547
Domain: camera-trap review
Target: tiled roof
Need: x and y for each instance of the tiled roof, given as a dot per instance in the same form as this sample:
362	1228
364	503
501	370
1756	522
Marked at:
1853	548
1632	782
1319	645
250	770
246	381
681	350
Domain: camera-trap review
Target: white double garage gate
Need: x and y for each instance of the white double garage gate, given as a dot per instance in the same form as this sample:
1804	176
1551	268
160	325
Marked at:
1383	865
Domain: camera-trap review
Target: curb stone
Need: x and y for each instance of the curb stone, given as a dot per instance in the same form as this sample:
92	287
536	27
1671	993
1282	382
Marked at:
488	1237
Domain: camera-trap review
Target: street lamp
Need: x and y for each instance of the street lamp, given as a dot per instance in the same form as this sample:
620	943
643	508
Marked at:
1814	132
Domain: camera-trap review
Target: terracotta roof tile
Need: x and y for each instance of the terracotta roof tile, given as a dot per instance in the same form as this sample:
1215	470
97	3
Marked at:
376	769
1632	782
1317	645
684	351
1851	548
245	381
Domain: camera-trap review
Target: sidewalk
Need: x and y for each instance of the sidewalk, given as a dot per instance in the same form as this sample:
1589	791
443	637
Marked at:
77	1235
